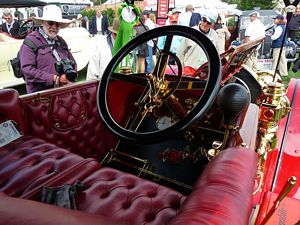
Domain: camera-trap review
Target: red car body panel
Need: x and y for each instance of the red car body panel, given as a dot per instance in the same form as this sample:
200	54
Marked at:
282	164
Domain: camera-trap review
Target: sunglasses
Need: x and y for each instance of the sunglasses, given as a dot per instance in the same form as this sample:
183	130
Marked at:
205	20
51	23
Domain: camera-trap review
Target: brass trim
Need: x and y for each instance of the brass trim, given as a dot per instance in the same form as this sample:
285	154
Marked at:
39	98
142	171
283	193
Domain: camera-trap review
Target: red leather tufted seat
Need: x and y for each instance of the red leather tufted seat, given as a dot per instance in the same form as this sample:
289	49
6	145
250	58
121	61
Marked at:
10	108
28	163
20	211
68	117
115	194
222	195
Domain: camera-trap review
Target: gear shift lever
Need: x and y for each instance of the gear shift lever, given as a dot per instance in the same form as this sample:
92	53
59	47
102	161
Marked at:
233	99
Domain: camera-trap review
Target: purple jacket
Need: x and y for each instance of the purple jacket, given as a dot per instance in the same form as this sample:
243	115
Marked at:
38	68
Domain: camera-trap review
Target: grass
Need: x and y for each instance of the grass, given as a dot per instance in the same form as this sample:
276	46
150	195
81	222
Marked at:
291	74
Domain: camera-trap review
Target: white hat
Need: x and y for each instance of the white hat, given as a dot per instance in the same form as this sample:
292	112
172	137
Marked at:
52	13
175	10
209	17
255	14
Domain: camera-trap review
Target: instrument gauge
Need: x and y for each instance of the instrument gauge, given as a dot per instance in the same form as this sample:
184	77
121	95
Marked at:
163	122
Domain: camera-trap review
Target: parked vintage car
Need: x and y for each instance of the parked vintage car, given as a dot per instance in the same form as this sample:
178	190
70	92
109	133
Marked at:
237	24
154	148
78	39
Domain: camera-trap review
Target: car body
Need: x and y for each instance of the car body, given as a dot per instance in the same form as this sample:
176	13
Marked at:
237	25
133	148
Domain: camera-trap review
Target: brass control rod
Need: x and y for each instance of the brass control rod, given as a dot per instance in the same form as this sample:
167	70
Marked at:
283	193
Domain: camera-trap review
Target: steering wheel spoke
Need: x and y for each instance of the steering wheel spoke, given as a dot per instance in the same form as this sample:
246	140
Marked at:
160	88
26	28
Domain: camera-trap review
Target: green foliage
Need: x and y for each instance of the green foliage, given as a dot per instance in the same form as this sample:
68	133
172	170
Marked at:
89	13
250	4
110	13
232	1
261	4
99	2
231	22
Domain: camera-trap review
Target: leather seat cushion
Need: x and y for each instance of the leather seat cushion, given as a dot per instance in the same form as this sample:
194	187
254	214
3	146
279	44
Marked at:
15	211
30	162
115	194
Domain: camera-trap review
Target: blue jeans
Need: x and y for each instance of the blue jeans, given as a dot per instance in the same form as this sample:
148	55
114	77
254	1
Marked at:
149	60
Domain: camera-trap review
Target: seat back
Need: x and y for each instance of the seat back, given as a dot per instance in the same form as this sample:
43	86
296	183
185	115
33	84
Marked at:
68	118
11	108
28	163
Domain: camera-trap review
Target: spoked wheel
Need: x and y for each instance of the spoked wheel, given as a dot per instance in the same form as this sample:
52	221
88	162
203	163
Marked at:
159	88
26	28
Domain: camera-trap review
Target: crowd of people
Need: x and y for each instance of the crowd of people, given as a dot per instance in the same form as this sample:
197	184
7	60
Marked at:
214	28
40	69
256	29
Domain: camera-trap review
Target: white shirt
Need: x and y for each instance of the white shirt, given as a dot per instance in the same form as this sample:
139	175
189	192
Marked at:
255	29
98	22
149	23
100	58
184	18
277	32
191	54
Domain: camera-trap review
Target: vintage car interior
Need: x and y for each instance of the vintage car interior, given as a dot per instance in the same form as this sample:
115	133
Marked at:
143	148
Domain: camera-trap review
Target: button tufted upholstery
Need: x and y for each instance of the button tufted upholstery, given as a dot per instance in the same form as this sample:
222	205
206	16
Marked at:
68	117
115	194
222	195
11	109
20	211
30	162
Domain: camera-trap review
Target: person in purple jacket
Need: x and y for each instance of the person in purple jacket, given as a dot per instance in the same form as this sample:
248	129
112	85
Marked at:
45	67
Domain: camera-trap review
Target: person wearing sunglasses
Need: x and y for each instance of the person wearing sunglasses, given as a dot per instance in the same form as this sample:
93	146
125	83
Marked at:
10	26
40	67
192	55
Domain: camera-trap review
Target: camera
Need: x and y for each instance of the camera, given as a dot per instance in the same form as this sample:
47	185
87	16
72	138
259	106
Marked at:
66	67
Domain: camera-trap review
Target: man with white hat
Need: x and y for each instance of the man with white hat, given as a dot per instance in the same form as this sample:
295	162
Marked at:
192	55
103	52
254	30
38	65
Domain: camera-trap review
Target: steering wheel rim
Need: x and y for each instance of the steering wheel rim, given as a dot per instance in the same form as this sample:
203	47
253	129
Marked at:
26	28
204	103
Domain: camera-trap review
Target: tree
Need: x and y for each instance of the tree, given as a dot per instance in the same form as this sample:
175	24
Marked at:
99	2
251	4
110	13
